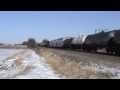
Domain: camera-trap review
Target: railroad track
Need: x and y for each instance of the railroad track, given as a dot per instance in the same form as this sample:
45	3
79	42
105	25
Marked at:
101	52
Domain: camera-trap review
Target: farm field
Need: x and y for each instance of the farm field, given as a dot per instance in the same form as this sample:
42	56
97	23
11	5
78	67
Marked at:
49	63
24	64
81	65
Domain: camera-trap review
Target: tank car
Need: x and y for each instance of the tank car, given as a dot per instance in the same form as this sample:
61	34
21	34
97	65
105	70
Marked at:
78	42
64	42
51	44
99	41
67	42
54	43
44	43
116	40
61	42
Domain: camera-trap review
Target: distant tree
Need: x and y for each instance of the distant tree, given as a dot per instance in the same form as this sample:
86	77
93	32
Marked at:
25	43
31	43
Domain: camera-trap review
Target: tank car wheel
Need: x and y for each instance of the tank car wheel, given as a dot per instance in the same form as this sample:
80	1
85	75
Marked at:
107	52
116	52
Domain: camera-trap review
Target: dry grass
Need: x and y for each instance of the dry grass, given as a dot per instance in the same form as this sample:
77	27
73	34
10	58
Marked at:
4	68
18	60
16	54
27	69
70	69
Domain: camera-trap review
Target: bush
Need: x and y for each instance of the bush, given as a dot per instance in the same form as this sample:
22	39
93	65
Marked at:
31	43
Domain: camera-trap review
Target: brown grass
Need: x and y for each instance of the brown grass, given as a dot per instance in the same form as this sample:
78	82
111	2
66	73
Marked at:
70	69
4	68
16	54
25	71
16	62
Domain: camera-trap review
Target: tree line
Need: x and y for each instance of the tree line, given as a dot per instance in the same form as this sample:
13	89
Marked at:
31	43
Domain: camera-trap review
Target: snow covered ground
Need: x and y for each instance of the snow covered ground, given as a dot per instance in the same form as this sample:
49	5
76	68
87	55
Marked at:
99	67
4	53
26	65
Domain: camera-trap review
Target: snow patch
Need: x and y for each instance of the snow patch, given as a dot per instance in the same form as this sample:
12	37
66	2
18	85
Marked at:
98	67
32	67
4	53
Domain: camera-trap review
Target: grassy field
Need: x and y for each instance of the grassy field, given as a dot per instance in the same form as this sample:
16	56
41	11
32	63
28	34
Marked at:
70	69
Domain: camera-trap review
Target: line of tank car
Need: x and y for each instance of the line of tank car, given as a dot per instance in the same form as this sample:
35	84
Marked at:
90	43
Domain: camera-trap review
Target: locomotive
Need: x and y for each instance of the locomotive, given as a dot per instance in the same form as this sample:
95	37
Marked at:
91	43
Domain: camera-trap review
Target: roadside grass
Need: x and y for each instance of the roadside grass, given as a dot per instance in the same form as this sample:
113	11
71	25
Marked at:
70	69
17	62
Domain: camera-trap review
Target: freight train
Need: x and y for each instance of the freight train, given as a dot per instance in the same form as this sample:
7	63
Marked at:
90	43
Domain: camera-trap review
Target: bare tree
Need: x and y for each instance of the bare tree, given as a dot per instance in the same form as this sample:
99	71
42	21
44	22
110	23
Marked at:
31	43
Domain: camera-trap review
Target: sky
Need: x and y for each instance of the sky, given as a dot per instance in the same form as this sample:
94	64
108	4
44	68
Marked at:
18	26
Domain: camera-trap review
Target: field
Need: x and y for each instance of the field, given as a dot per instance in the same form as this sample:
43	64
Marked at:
24	64
5	53
81	65
12	47
49	63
